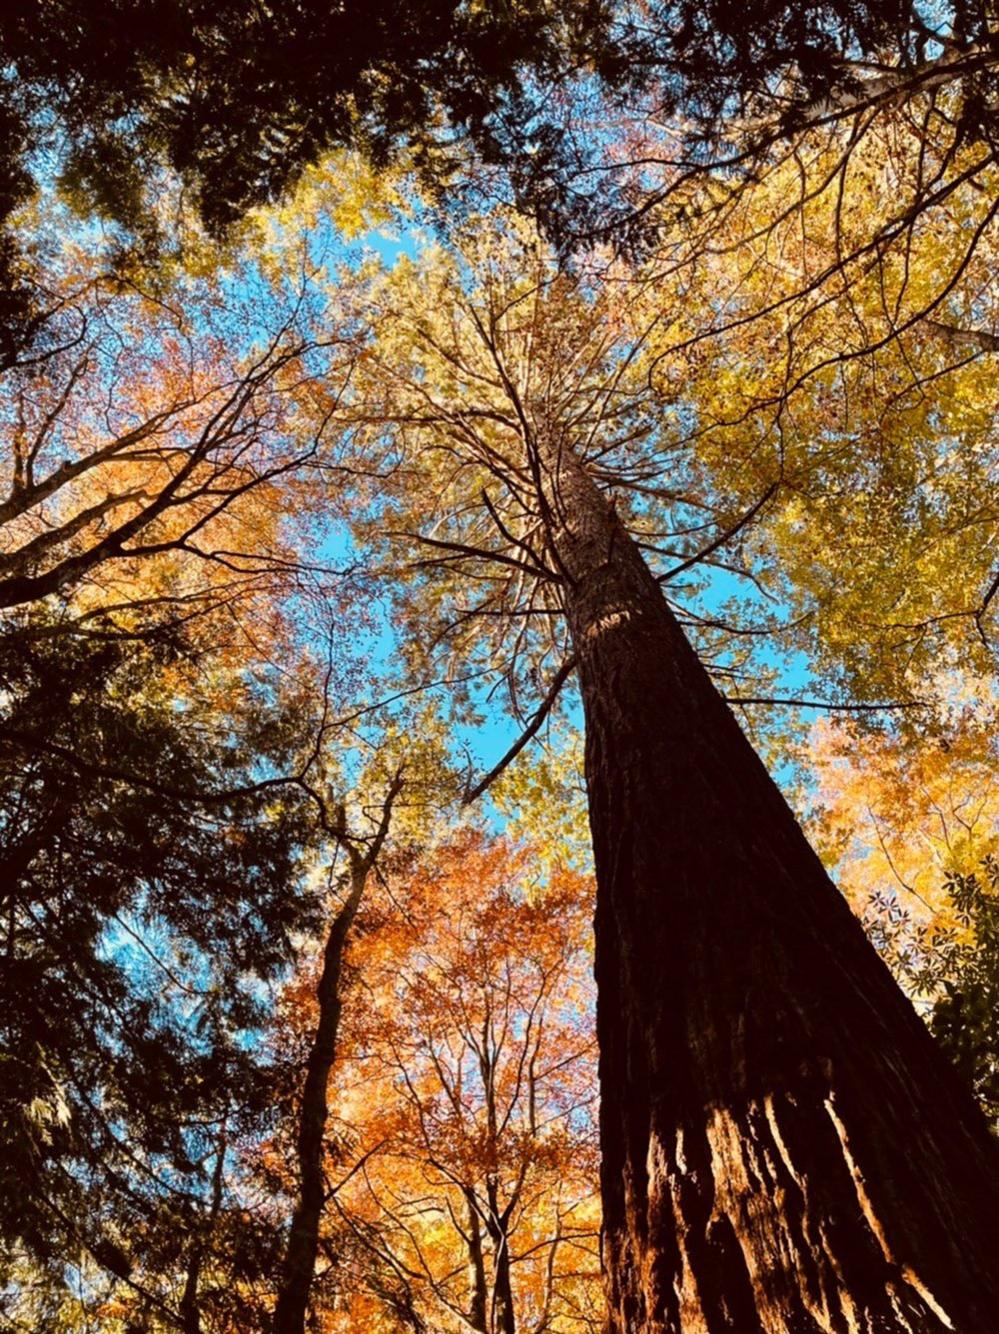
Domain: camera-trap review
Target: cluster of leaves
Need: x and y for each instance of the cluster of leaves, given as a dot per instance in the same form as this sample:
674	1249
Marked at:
965	1018
909	820
235	100
462	1156
958	966
908	806
152	890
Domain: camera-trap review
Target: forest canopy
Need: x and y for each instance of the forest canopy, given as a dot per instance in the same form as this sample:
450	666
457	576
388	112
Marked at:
498	696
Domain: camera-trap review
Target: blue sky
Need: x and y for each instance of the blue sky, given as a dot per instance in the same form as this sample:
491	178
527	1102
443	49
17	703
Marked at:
488	741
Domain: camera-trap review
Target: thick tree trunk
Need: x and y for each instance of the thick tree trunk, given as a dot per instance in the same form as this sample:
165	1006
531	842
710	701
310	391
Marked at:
784	1146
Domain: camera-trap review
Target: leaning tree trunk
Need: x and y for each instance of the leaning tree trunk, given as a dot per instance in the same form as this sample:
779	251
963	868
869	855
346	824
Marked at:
298	1269
784	1147
303	1237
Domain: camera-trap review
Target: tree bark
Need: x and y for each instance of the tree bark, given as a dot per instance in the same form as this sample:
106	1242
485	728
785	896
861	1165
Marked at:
784	1146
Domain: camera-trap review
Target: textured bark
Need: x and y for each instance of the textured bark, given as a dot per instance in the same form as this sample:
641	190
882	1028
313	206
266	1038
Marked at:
784	1147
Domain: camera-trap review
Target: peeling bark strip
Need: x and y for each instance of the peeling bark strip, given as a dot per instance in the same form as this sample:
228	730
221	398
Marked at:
303	1238
785	1150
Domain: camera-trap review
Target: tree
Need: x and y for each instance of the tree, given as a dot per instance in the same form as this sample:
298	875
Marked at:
233	102
724	93
462	1166
782	1142
303	1238
349	763
964	1017
162	452
152	890
743	1116
238	101
460	1171
855	363
161	487
596	115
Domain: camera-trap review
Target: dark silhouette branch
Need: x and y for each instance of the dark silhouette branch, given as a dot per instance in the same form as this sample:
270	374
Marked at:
722	538
531	730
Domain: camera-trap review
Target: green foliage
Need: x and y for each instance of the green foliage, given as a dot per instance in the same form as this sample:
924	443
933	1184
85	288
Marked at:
965	1018
152	888
959	966
236	100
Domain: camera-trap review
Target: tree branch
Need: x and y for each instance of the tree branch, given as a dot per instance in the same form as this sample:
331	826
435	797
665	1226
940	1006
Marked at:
722	538
531	730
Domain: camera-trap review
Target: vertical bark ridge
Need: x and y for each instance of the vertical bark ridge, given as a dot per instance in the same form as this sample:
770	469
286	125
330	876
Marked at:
784	1147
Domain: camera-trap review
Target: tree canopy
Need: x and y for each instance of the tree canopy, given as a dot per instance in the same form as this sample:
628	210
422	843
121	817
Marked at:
444	443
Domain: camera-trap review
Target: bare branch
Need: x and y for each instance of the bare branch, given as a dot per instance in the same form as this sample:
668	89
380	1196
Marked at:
531	730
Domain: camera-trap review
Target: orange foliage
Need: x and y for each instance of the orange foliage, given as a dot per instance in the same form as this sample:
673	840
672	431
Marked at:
164	456
465	1095
898	814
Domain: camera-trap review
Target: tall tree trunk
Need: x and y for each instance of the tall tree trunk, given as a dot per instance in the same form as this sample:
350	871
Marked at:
303	1239
784	1147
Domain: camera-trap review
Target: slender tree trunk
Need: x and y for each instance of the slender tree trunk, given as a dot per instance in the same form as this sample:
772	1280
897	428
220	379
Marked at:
476	1268
303	1238
504	1317
190	1304
784	1146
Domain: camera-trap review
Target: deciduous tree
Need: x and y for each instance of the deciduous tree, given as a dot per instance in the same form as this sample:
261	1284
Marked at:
462	1164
